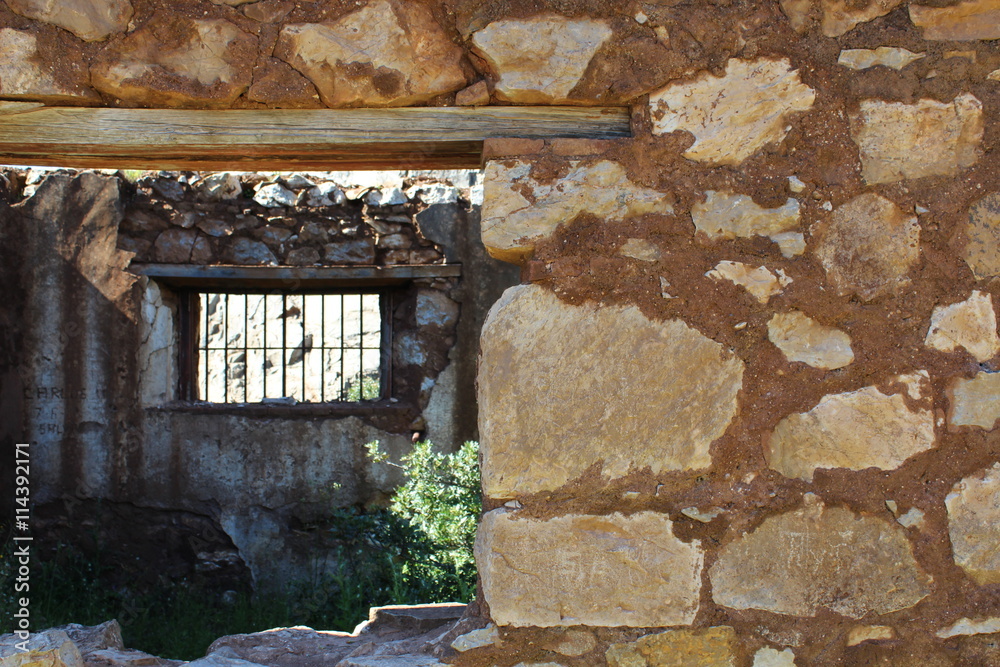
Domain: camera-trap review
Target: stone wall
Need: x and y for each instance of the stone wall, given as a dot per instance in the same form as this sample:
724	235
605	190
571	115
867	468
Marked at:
742	410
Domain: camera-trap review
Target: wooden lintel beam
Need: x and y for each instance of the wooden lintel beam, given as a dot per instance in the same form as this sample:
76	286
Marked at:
289	278
291	139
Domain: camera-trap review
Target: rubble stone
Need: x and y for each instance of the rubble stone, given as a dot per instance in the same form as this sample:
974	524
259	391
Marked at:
887	56
963	21
541	59
801	338
587	570
982	252
23	77
771	657
389	53
49	648
976	401
867	246
735	115
709	647
480	638
837	17
819	557
539	430
869	633
974	525
968	626
90	20
247	252
518	211
970	325
355	251
207	64
640	249
855	430
274	195
277	84
574	643
927	138
758	281
724	215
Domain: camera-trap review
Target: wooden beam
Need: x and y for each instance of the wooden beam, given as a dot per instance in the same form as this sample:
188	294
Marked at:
289	278
291	139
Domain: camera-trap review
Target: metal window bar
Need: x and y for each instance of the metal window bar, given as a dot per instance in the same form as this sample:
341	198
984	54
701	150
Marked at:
358	378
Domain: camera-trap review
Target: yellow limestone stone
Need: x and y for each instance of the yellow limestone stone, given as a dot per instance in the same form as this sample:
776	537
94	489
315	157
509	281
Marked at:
867	246
801	338
869	633
518	211
90	20
770	657
51	648
927	138
539	60
710	647
724	215
887	56
819	557
965	21
974	524
975	402
969	626
758	281
855	430
982	252
735	115
577	569
837	16
23	77
388	53
564	388
970	325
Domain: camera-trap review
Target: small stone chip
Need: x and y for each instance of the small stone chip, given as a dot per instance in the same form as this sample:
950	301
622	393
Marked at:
869	633
970	325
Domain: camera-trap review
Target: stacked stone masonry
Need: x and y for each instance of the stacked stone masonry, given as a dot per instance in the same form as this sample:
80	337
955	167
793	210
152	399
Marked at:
744	408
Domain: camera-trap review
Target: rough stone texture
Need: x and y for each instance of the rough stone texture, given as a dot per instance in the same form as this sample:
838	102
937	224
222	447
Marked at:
837	17
970	325
389	53
724	215
819	558
574	643
974	525
975	401
356	251
539	60
24	77
610	570
968	626
855	430
660	409
869	633
982	252
868	246
206	63
927	138
90	20
886	56
801	338
710	647
770	657
518	211
476	639
52	648
179	246
758	281
245	251
107	635
478	94
735	115
640	249
963	21
278	84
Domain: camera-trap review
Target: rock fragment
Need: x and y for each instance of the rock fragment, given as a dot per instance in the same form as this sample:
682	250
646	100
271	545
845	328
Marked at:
975	402
968	626
735	115
964	21
801	338
974	525
758	281
854	430
771	657
541	59
724	215
275	195
867	246
90	20
480	638
819	557
574	643
970	325
869	633
389	53
709	647
886	56
23	77
587	570
51	647
518	211
927	138
982	251
640	249
837	16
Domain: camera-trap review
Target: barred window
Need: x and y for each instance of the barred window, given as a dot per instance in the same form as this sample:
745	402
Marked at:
312	348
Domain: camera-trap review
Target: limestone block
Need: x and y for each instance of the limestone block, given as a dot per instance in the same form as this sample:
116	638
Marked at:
869	633
735	115
710	647
887	56
969	626
974	524
541	59
519	211
389	53
52	648
770	657
724	215
801	338
577	569
970	325
837	16
759	281
854	430
975	402
982	252
867	246
480	638
174	61
927	138
964	21
90	20
816	557
569	389
24	77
